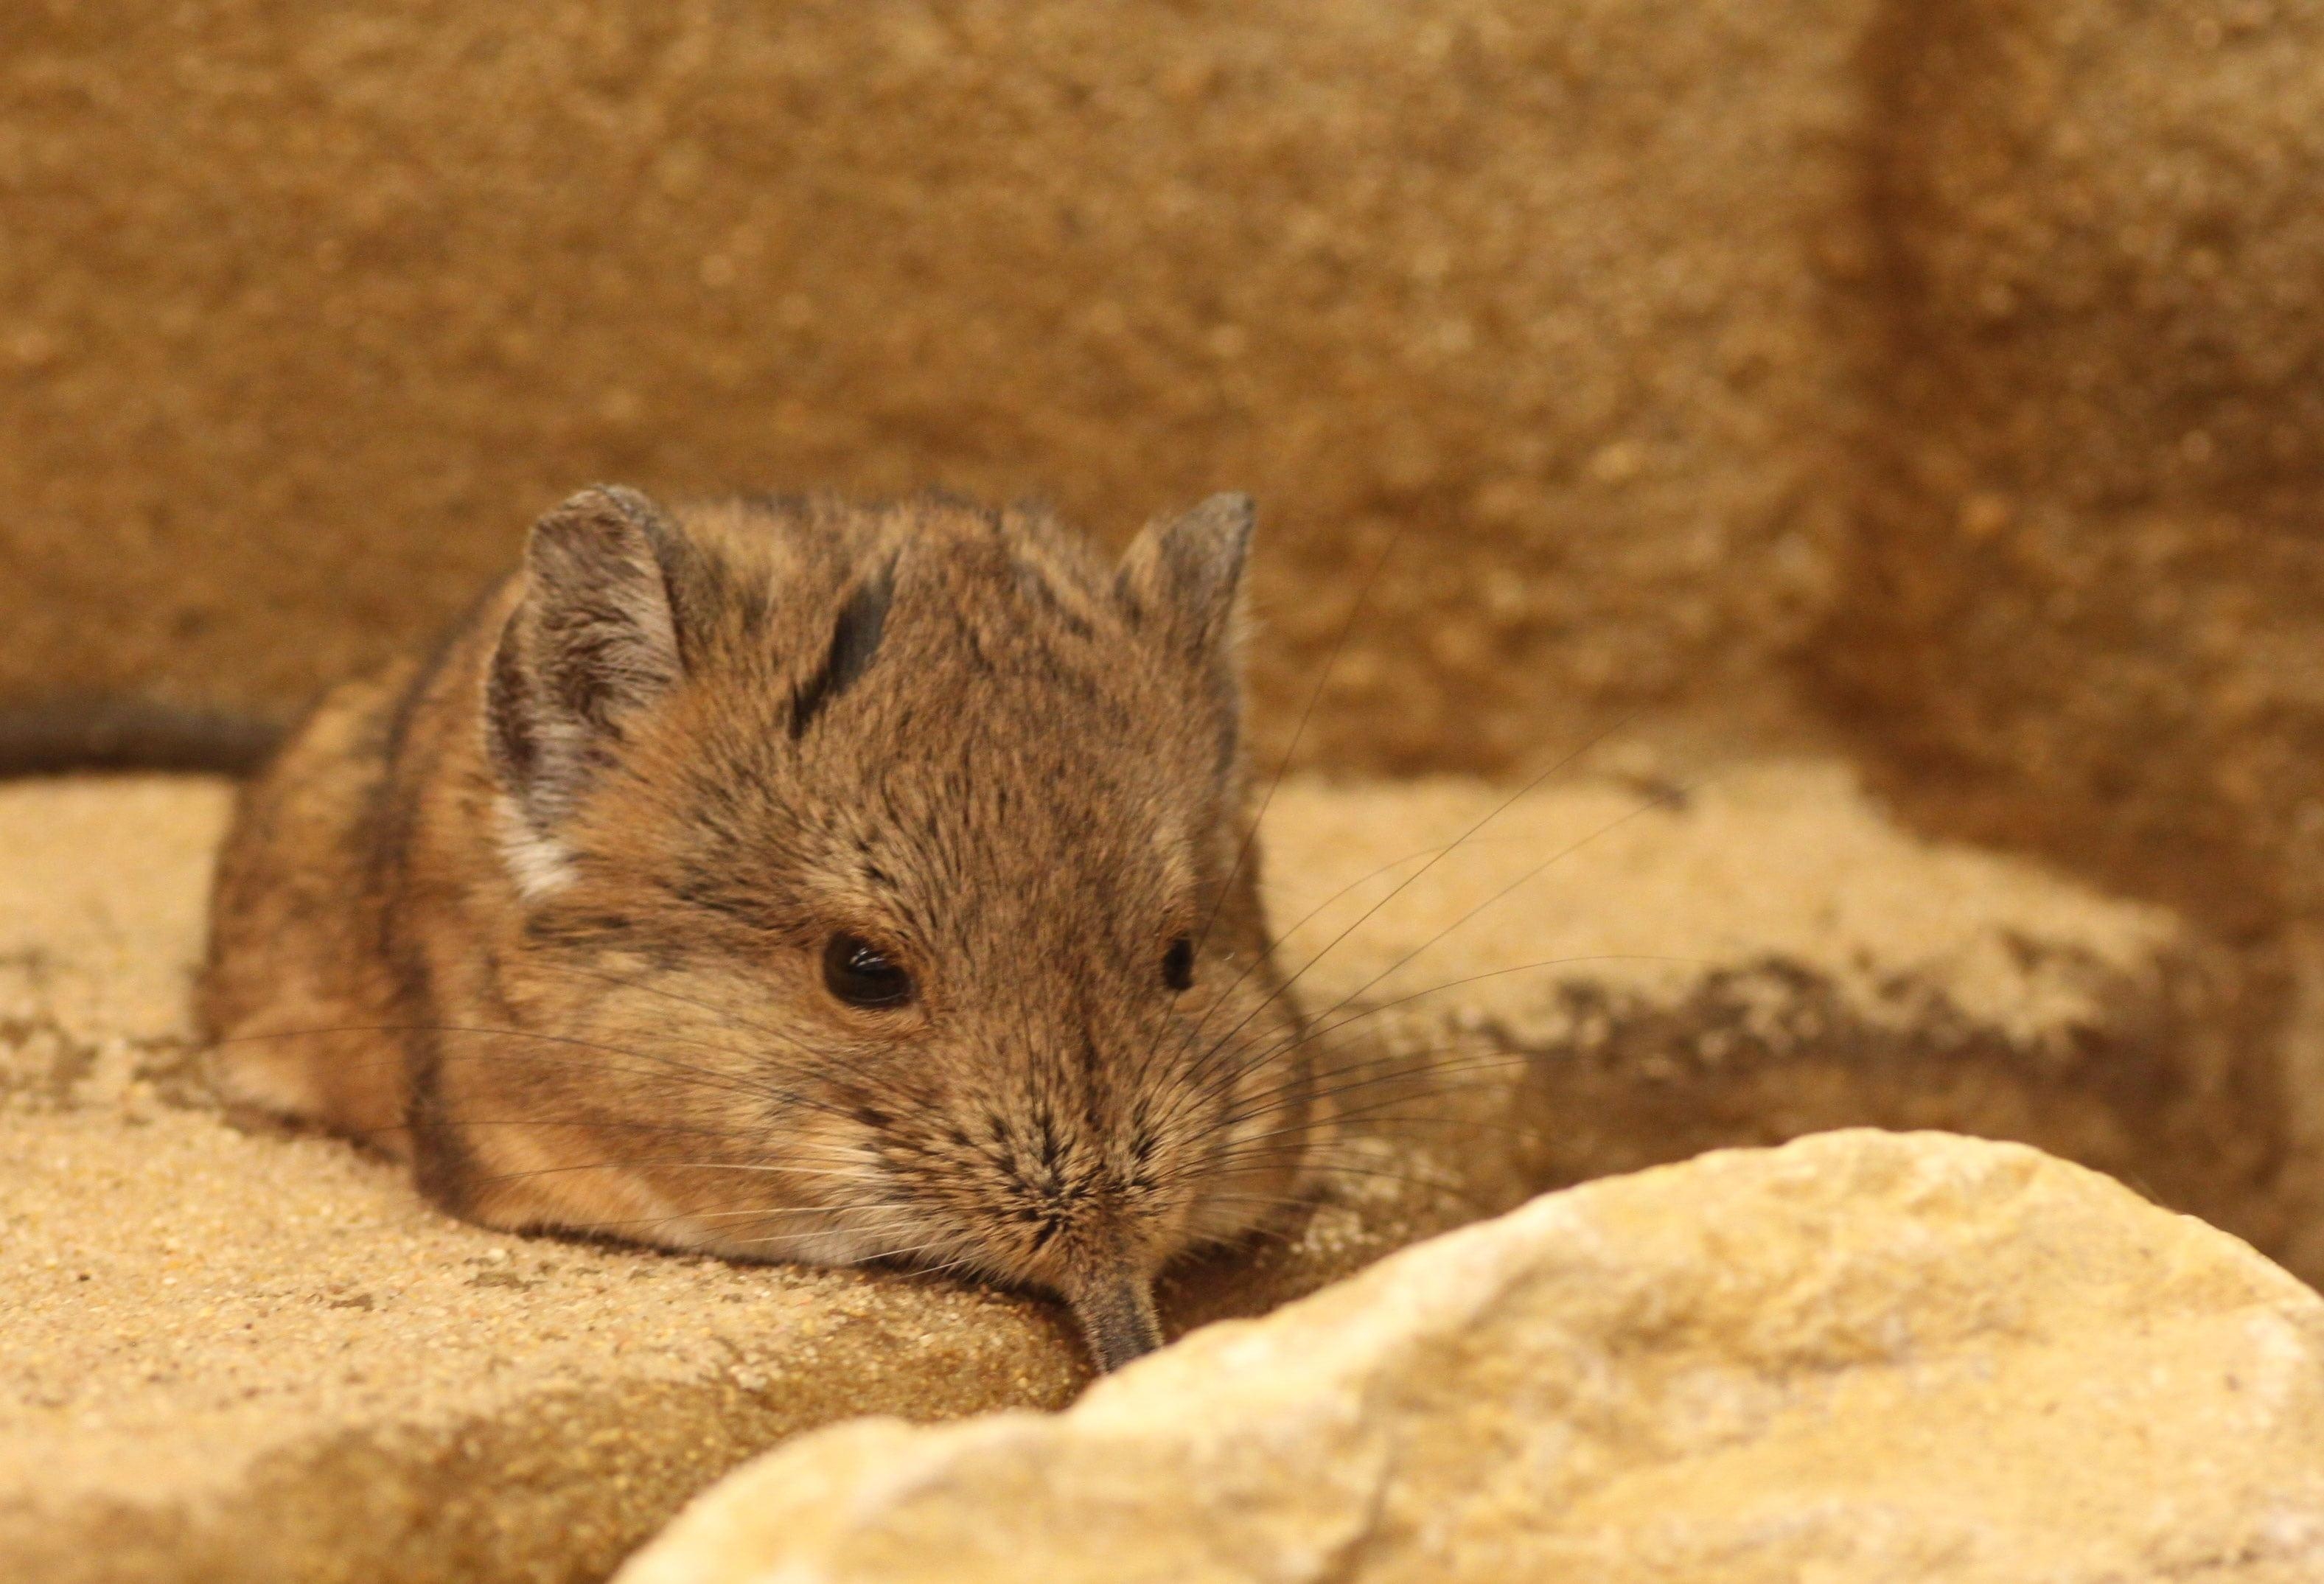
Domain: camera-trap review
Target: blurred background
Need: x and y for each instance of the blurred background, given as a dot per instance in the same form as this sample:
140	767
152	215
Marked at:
1936	380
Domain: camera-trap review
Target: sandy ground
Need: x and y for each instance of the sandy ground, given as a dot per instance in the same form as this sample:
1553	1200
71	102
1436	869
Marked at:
216	1341
259	1353
195	1313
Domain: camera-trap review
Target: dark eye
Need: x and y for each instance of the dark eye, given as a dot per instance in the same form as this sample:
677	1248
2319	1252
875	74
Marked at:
1179	964
861	974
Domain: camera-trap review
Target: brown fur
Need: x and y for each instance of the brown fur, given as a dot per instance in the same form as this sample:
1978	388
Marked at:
710	741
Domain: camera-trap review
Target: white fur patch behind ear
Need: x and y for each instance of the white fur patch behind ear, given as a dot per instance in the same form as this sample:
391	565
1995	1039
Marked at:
539	866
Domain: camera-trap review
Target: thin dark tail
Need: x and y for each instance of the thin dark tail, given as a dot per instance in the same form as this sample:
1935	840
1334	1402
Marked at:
86	733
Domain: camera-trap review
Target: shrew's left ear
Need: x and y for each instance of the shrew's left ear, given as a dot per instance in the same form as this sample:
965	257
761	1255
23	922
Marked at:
1183	576
591	643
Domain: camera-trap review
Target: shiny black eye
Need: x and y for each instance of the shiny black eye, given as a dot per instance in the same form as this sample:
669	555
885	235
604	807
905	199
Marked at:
1179	964
861	974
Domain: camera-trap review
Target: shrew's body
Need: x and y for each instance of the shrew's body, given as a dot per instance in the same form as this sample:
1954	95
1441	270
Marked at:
793	880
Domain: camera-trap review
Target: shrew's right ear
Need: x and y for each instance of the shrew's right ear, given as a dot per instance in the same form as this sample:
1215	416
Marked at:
591	642
1184	575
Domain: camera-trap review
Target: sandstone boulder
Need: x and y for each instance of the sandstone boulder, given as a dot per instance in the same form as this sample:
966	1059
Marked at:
1861	1355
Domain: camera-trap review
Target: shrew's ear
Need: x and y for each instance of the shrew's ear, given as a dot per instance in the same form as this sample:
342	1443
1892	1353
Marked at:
1180	576
592	641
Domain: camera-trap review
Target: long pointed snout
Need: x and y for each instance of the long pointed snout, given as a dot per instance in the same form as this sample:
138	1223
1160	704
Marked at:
1116	1311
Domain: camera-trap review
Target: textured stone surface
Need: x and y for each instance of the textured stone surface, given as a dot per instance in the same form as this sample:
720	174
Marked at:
305	311
1862	1356
2085	602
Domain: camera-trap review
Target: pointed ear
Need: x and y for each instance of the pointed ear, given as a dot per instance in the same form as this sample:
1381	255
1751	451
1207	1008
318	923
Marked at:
591	642
1182	576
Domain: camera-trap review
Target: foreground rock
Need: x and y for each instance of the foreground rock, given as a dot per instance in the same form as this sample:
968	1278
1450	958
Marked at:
1861	1355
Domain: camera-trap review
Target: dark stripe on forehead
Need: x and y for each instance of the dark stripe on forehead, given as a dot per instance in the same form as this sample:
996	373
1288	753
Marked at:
854	640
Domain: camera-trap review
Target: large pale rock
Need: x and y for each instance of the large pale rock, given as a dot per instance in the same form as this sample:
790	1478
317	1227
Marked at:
1862	1356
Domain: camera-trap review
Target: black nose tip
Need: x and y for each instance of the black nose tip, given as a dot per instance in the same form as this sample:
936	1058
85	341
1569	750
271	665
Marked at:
1117	1316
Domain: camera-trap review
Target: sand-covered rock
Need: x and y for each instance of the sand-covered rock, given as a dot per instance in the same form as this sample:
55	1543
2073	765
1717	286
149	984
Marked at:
1608	973
1862	1356
262	1356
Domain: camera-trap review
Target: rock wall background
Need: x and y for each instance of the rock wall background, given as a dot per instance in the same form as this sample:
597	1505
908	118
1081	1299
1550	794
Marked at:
1941	373
309	309
2085	584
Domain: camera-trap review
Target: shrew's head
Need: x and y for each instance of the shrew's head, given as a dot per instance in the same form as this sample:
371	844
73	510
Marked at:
905	850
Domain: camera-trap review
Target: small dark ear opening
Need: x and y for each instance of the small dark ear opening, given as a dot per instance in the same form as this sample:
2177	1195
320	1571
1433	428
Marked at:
1182	575
591	642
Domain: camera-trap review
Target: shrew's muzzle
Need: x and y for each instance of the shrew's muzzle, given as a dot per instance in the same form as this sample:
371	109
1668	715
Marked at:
1116	1311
